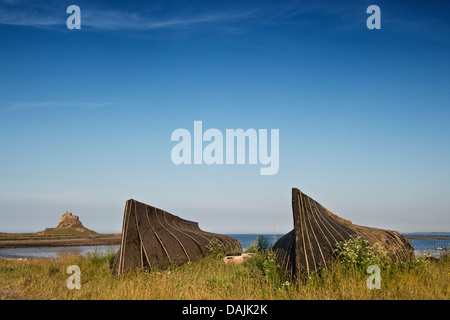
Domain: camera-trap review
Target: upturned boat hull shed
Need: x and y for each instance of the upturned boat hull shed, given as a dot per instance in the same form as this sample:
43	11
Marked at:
310	245
154	237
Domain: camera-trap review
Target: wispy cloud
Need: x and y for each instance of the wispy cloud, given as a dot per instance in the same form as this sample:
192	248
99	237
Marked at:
55	104
30	14
25	13
234	16
114	20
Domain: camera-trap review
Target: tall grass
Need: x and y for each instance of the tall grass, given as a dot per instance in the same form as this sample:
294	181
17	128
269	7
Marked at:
210	278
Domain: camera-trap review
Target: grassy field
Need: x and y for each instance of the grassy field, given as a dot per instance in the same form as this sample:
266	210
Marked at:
210	278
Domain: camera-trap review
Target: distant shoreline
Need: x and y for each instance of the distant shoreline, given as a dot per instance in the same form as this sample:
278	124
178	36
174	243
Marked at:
112	239
33	240
427	238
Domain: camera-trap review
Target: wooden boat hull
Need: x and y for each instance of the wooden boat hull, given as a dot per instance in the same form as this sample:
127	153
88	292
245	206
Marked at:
154	237
310	245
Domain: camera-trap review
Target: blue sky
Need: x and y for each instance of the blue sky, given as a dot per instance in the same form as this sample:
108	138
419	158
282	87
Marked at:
86	115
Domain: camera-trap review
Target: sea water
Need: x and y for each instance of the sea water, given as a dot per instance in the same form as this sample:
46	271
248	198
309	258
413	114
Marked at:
56	252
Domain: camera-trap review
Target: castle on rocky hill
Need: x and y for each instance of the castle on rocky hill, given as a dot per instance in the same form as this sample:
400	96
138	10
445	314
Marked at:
69	224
